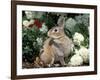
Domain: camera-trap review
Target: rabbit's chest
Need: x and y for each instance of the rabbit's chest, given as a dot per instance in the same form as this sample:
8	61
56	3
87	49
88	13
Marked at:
62	49
66	47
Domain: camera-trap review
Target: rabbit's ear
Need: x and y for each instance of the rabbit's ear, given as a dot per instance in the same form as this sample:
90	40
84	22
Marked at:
61	21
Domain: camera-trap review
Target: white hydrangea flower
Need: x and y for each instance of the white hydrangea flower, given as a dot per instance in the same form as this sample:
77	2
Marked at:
44	28
78	38
70	23
29	14
84	53
26	23
39	41
31	21
76	60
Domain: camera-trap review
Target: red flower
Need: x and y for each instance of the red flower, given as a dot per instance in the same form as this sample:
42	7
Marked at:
38	23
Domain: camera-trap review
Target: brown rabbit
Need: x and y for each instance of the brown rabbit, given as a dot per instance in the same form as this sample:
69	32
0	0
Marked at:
58	46
47	55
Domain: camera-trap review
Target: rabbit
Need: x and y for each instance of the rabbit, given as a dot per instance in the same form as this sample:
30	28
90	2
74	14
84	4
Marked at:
62	44
58	45
47	55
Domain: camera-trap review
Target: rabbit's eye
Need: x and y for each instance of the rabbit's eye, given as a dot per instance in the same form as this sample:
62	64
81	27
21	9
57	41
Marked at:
55	30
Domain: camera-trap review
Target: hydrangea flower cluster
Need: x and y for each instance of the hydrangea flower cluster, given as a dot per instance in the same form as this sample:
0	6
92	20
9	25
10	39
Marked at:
82	55
76	60
78	38
27	23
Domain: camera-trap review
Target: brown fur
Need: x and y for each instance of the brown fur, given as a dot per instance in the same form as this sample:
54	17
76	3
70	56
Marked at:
48	55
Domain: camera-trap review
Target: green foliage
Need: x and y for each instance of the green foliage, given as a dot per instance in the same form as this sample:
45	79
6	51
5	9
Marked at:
50	19
30	46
